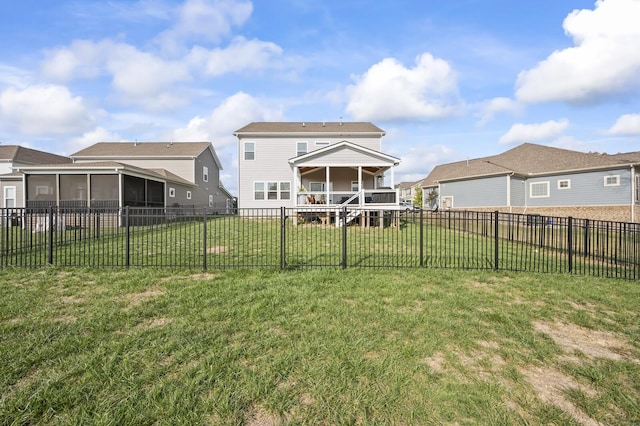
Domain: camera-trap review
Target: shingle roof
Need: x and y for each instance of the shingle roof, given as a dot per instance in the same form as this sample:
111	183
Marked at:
20	154
310	127
98	165
528	159
142	149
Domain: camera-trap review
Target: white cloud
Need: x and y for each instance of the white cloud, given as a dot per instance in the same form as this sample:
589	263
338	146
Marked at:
418	161
233	113
488	109
204	20
240	55
519	133
390	91
13	76
99	134
626	125
43	110
604	62
82	59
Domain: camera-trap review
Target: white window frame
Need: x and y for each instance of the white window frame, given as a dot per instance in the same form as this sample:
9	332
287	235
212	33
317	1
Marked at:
284	190
172	192
616	183
545	183
205	173
354	186
271	190
210	200
257	190
300	151
188	195
568	181
323	143
6	196
247	151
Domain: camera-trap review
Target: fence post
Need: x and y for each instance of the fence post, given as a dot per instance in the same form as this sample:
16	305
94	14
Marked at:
343	213
204	240
50	245
496	245
570	243
587	244
127	246
421	238
283	239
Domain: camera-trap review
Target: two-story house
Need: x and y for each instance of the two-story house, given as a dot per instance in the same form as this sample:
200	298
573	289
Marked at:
537	179
117	174
296	164
11	181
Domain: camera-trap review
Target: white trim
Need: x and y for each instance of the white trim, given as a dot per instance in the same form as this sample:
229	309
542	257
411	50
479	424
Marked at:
188	195
244	150
172	192
322	143
205	173
5	197
299	151
617	180
568	181
545	182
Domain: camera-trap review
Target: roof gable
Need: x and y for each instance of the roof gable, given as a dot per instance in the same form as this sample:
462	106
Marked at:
341	146
20	154
142	149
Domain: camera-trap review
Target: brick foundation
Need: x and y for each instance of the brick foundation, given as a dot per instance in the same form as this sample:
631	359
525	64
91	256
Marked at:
610	213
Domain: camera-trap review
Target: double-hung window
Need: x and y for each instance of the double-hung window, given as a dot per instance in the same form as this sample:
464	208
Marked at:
272	190
301	148
205	174
9	196
258	191
249	151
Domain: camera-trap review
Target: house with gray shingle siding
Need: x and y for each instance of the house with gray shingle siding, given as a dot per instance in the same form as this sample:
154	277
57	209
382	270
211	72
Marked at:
137	174
295	164
537	179
11	182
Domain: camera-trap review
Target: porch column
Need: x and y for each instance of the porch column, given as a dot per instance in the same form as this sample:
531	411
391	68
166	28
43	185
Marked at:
360	199
296	185
327	184
393	177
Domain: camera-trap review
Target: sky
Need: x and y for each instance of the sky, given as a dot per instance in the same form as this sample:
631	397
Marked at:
446	80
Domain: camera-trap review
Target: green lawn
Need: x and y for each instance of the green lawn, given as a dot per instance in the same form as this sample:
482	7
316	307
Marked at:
258	347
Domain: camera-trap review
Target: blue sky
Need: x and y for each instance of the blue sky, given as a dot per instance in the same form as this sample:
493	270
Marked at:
446	80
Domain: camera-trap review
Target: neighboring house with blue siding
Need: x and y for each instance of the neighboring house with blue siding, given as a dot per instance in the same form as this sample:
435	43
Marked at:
538	179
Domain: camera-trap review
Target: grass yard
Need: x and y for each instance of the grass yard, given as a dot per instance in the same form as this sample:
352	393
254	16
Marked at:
326	346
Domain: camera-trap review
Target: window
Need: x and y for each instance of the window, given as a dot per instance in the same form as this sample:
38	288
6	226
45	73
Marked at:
301	148
354	186
172	192
613	180
249	151
258	191
285	190
272	190
188	195
205	174
637	188
210	200
316	187
322	143
10	197
539	189
564	184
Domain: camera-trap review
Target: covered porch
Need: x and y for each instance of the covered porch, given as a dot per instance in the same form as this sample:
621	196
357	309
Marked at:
344	174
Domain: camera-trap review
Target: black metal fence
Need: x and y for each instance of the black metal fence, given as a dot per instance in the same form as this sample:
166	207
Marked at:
289	238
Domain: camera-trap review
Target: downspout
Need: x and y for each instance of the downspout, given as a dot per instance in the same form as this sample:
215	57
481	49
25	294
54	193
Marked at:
633	192
509	192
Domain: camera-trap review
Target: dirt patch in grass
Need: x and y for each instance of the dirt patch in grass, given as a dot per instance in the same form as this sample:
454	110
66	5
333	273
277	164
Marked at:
156	322
258	416
436	362
136	299
592	343
551	385
216	249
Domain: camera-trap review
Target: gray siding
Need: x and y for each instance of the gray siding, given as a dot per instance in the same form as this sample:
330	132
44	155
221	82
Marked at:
487	192
18	184
587	189
518	189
